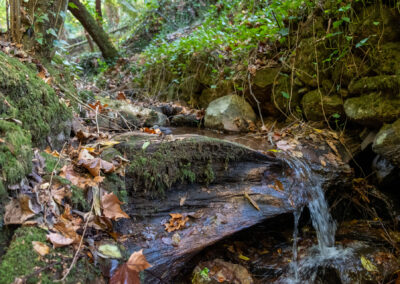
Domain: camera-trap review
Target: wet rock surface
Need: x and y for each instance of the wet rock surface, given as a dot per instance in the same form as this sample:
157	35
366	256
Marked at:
387	142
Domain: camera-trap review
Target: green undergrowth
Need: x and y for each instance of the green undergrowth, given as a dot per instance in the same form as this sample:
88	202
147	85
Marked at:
21	260
219	49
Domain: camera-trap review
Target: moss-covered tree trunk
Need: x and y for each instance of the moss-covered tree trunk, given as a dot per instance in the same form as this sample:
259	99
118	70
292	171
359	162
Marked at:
99	36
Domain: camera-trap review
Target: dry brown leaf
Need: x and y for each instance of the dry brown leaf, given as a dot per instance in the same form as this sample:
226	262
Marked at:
82	181
112	207
41	248
177	222
128	273
59	240
18	211
121	96
94	165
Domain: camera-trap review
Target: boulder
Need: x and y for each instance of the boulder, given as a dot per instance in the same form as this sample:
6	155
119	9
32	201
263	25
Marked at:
374	109
223	88
314	111
142	116
230	113
387	142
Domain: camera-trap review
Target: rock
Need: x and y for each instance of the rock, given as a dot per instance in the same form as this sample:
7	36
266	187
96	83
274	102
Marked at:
142	116
265	77
376	83
312	108
218	270
230	113
385	172
387	142
185	120
387	59
374	109
208	95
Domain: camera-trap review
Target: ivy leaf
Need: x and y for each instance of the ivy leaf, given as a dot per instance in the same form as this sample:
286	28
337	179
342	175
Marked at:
52	32
362	42
72	5
285	95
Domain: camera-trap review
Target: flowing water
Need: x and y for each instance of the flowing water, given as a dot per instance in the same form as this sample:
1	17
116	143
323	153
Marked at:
308	192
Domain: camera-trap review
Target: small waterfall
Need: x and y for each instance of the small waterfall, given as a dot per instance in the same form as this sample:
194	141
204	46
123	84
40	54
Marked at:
308	192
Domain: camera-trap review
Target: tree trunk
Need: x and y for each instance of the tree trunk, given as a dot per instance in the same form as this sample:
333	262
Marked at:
99	36
36	23
99	13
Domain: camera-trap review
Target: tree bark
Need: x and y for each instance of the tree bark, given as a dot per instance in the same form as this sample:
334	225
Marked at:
99	36
99	13
36	23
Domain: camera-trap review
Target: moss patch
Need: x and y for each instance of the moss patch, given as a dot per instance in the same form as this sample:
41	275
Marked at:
21	260
163	164
30	100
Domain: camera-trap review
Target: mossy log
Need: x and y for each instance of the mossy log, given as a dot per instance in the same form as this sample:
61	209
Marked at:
217	184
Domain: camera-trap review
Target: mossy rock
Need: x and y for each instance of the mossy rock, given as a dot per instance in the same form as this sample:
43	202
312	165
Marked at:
386	59
265	77
33	102
376	83
21	261
387	142
373	109
15	154
318	107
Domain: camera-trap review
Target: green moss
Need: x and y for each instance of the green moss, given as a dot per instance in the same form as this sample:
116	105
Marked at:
78	199
15	154
30	100
51	162
21	261
116	184
162	165
20	258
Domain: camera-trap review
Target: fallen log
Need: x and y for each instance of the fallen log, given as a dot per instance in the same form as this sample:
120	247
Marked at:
217	187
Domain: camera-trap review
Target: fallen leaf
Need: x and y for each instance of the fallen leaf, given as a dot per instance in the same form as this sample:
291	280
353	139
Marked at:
2	140
121	96
112	207
128	273
17	211
41	248
109	251
176	222
251	201
245	258
79	180
59	240
368	265
94	165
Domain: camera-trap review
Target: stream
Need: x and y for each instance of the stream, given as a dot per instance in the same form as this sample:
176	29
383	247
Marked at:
303	257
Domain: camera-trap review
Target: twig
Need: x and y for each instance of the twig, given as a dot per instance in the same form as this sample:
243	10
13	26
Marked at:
257	101
79	247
